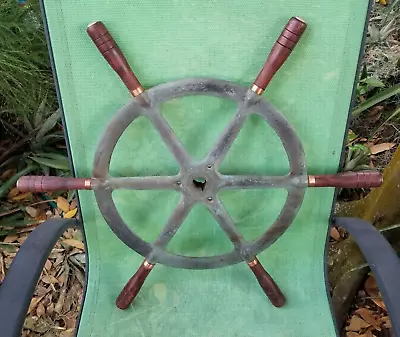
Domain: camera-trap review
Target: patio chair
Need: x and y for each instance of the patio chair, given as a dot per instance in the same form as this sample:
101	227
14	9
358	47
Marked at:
223	222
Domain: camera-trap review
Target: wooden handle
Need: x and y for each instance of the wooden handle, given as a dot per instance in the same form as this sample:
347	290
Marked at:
267	284
114	56
281	50
48	184
362	179
133	286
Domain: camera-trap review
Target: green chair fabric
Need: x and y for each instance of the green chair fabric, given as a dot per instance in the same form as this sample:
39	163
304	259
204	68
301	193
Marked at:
169	40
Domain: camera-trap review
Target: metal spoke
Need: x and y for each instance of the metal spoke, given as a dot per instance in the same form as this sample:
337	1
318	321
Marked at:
144	183
250	182
224	143
169	137
174	222
225	221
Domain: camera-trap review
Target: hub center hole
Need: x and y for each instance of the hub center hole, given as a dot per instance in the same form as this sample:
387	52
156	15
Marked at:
200	183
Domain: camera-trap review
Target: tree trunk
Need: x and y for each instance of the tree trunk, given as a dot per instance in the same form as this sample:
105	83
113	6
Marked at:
346	268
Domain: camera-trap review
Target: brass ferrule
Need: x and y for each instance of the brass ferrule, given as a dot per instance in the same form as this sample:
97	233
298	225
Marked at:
148	265
137	91
257	89
253	263
311	181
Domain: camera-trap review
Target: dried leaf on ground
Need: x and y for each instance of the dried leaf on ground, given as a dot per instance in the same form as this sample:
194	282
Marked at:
372	290
40	310
368	316
34	303
352	334
48	264
32	211
10	238
379	303
73	204
13	193
378	148
7	174
357	324
63	204
21	238
2	271
70	214
68	333
367	334
74	243
371	287
334	233
385	321
49	279
22	196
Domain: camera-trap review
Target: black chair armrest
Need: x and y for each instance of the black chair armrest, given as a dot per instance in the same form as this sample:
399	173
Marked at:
383	261
17	289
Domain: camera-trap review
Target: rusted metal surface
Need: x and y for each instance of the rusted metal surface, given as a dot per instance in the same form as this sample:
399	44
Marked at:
147	105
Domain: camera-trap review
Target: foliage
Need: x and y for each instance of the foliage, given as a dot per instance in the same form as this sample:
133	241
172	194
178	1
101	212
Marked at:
37	145
357	158
375	99
378	35
25	76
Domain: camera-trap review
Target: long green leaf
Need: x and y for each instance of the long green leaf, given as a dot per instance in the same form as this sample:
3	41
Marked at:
10	218
373	82
4	232
52	155
394	114
8	248
49	124
20	223
385	94
27	123
61	164
10	182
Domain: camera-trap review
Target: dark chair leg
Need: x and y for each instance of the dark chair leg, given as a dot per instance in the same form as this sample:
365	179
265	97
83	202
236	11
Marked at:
17	289
383	261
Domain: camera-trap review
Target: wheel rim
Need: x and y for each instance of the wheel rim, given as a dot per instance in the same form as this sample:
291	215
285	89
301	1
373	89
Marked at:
190	182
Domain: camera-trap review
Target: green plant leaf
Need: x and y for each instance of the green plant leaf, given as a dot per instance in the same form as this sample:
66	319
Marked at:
55	135
351	136
37	120
374	82
10	182
71	195
45	169
10	218
27	123
393	115
389	10
364	73
8	248
61	164
5	232
52	155
362	168
379	97
49	124
21	223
